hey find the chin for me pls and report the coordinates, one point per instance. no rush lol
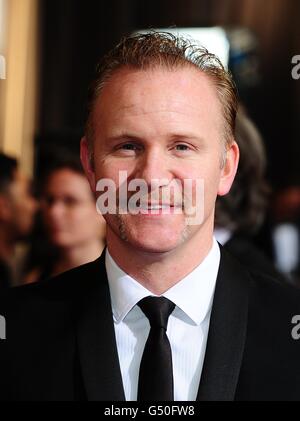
(154, 244)
(149, 237)
(60, 242)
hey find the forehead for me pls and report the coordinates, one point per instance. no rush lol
(66, 180)
(69, 176)
(183, 90)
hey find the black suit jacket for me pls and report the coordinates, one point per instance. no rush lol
(5, 275)
(249, 255)
(60, 342)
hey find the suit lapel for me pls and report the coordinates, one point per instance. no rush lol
(227, 332)
(98, 354)
(97, 347)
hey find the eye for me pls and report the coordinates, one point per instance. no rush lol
(182, 147)
(47, 201)
(129, 147)
(70, 201)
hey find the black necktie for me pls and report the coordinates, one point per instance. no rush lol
(156, 371)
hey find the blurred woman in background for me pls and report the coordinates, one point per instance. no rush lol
(72, 232)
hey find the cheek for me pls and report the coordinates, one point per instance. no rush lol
(105, 173)
(111, 168)
(49, 217)
(21, 211)
(85, 215)
(206, 173)
(208, 179)
(211, 186)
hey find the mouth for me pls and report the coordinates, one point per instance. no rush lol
(150, 207)
(158, 209)
(156, 206)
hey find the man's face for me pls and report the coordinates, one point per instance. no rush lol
(166, 125)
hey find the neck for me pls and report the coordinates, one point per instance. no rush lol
(158, 272)
(76, 256)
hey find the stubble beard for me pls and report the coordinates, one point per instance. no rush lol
(184, 235)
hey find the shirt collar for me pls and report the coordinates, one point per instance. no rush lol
(223, 235)
(193, 294)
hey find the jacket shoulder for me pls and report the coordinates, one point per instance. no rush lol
(65, 287)
(274, 292)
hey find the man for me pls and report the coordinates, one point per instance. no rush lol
(164, 313)
(17, 208)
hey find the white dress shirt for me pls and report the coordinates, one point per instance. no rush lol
(222, 235)
(187, 327)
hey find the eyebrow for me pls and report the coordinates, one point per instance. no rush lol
(123, 137)
(172, 137)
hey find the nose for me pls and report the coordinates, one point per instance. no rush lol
(153, 165)
(55, 210)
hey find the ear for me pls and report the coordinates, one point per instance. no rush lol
(87, 164)
(229, 169)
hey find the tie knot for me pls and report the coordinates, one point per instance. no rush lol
(157, 310)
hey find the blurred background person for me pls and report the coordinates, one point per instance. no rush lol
(17, 209)
(286, 232)
(241, 213)
(69, 230)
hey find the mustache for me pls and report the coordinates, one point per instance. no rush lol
(167, 200)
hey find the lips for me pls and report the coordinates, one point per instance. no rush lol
(159, 206)
(156, 206)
